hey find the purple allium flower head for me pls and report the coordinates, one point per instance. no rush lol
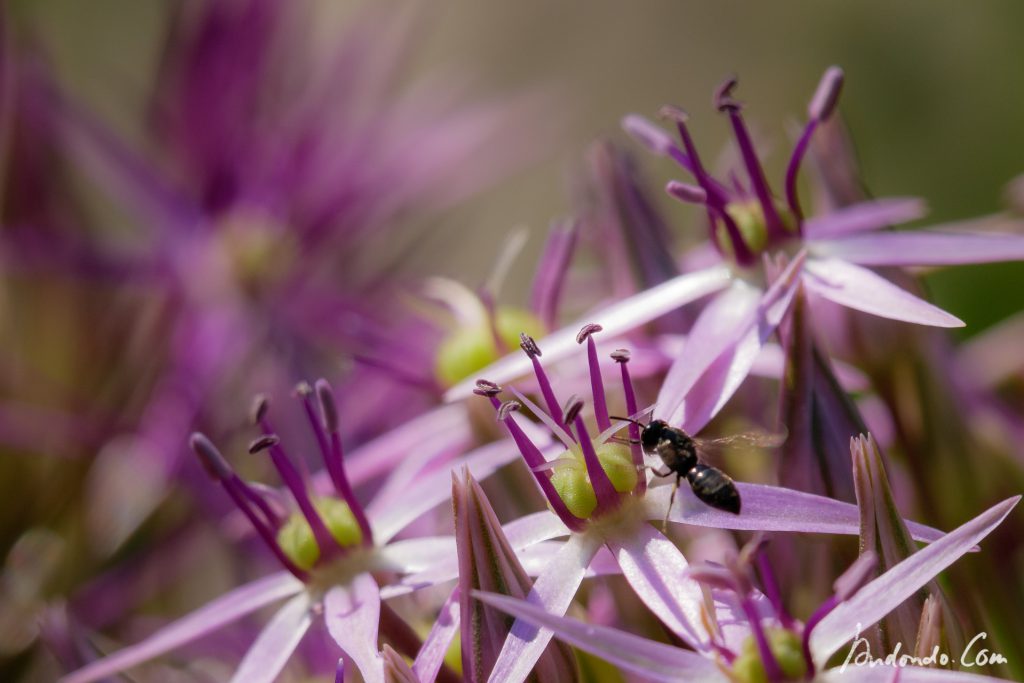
(597, 491)
(822, 255)
(754, 642)
(339, 557)
(264, 232)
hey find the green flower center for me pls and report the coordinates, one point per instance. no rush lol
(749, 218)
(784, 644)
(471, 348)
(572, 483)
(298, 542)
(259, 249)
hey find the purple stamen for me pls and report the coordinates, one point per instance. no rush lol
(771, 665)
(717, 196)
(655, 139)
(856, 575)
(535, 459)
(271, 516)
(771, 590)
(293, 480)
(607, 497)
(335, 459)
(596, 381)
(793, 170)
(649, 135)
(716, 193)
(258, 411)
(549, 280)
(820, 109)
(740, 251)
(243, 498)
(725, 102)
(305, 394)
(805, 641)
(213, 462)
(826, 95)
(621, 356)
(487, 299)
(848, 583)
(685, 192)
(527, 343)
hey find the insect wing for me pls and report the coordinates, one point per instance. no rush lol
(754, 439)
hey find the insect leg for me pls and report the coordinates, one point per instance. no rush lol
(671, 501)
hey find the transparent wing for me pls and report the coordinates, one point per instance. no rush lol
(752, 439)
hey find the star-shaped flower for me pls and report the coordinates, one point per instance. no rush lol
(340, 558)
(756, 643)
(598, 493)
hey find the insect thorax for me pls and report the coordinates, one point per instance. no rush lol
(677, 451)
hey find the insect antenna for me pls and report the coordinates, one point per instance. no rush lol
(638, 423)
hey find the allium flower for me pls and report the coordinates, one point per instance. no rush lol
(754, 638)
(339, 557)
(747, 224)
(262, 233)
(598, 493)
(482, 328)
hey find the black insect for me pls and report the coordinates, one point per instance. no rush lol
(680, 453)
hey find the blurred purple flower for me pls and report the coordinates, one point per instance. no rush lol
(266, 227)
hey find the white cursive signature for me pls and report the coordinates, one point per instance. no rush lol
(860, 655)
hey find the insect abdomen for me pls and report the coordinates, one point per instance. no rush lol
(714, 487)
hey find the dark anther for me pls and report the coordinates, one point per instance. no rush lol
(260, 404)
(507, 407)
(572, 408)
(586, 331)
(723, 95)
(486, 388)
(620, 355)
(529, 345)
(263, 442)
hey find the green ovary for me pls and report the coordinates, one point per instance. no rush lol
(472, 348)
(260, 250)
(784, 644)
(750, 221)
(296, 537)
(573, 485)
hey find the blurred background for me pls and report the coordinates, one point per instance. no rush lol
(933, 96)
(933, 99)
